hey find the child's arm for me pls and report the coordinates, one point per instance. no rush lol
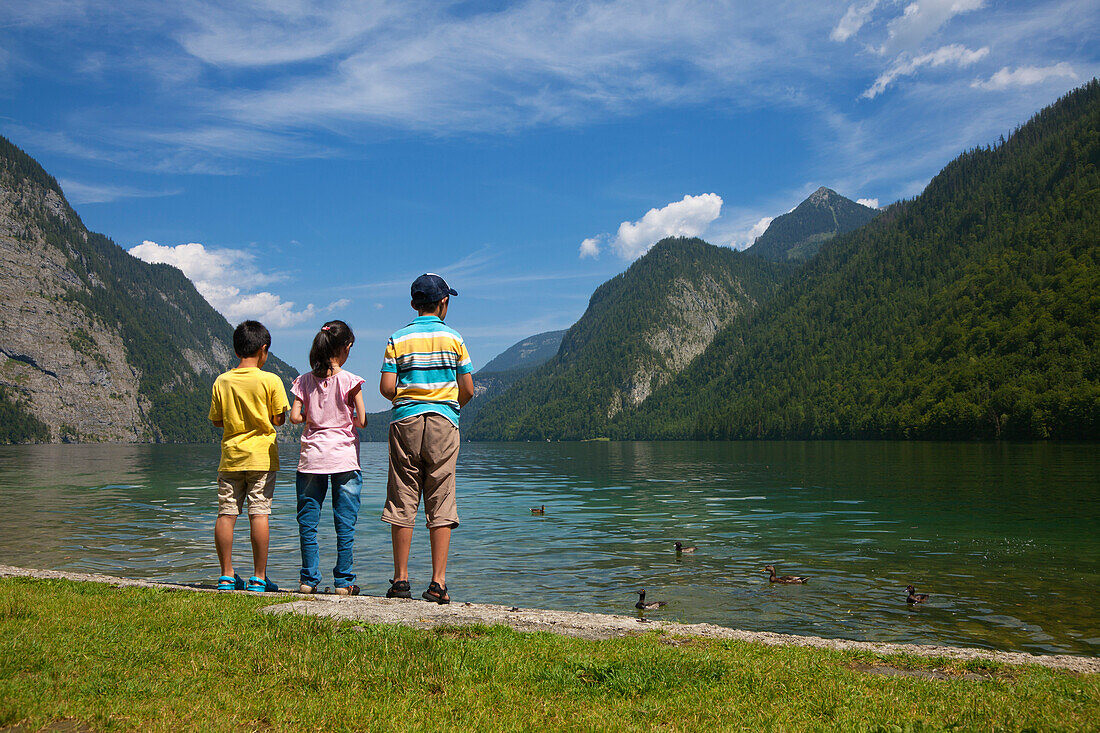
(277, 402)
(215, 414)
(465, 389)
(388, 385)
(360, 419)
(296, 416)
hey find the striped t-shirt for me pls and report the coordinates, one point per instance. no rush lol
(427, 356)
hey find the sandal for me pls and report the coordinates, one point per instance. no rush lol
(347, 590)
(235, 582)
(399, 589)
(261, 585)
(436, 593)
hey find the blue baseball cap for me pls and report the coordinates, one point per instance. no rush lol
(430, 288)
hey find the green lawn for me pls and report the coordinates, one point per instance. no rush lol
(109, 658)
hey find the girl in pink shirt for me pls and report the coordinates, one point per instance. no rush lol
(329, 401)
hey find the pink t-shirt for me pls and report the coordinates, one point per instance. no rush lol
(330, 443)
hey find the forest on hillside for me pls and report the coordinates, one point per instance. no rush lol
(606, 353)
(972, 311)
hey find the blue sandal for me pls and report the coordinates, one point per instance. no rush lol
(226, 582)
(260, 585)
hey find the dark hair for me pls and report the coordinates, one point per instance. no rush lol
(334, 337)
(249, 337)
(430, 306)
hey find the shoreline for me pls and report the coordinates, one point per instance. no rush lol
(423, 615)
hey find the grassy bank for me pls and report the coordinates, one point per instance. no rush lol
(139, 658)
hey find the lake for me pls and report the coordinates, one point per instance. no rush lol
(1005, 537)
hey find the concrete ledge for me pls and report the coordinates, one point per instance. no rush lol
(421, 614)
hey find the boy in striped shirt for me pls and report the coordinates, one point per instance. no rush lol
(426, 373)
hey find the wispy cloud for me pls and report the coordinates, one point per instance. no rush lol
(921, 19)
(101, 193)
(857, 16)
(1026, 76)
(906, 66)
(213, 87)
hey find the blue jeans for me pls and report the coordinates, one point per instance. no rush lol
(346, 488)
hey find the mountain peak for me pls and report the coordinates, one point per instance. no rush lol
(799, 234)
(822, 196)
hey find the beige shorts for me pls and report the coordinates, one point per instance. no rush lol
(234, 486)
(423, 453)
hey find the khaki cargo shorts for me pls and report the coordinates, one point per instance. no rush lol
(423, 453)
(234, 486)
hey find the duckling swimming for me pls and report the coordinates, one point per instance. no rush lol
(915, 597)
(539, 509)
(791, 579)
(681, 550)
(641, 605)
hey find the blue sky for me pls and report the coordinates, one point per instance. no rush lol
(305, 160)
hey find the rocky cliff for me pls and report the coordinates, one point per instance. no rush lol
(96, 345)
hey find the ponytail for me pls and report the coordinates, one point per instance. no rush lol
(333, 338)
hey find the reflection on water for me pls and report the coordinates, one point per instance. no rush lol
(1006, 538)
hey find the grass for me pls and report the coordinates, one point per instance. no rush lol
(121, 659)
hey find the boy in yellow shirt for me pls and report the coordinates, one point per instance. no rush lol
(247, 404)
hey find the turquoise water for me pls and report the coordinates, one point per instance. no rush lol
(1006, 537)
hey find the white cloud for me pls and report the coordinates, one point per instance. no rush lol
(1026, 76)
(688, 217)
(96, 193)
(225, 278)
(742, 236)
(590, 247)
(853, 20)
(906, 66)
(872, 203)
(920, 20)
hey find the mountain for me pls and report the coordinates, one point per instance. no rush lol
(798, 235)
(495, 377)
(640, 329)
(971, 311)
(96, 345)
(527, 354)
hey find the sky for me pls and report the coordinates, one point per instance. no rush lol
(302, 161)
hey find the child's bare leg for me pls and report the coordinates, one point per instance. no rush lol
(223, 541)
(402, 540)
(259, 526)
(441, 544)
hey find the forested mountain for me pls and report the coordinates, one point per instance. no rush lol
(972, 311)
(96, 345)
(797, 235)
(495, 377)
(526, 354)
(640, 329)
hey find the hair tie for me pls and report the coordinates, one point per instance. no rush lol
(324, 328)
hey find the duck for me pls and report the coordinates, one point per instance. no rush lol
(792, 579)
(641, 605)
(539, 509)
(915, 597)
(681, 550)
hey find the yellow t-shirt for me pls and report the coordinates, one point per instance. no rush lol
(245, 400)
